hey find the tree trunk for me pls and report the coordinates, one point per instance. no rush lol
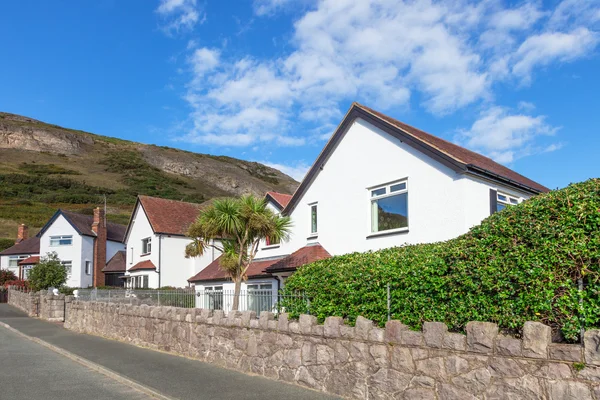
(236, 294)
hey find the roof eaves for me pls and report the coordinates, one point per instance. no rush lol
(475, 170)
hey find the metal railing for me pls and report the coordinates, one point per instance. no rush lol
(257, 300)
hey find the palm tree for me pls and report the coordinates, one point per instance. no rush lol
(235, 227)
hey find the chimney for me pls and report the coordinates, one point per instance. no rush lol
(99, 228)
(22, 233)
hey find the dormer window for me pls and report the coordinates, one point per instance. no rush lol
(146, 246)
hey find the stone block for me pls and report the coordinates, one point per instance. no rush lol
(294, 327)
(218, 317)
(412, 338)
(434, 333)
(454, 341)
(568, 390)
(393, 331)
(536, 338)
(377, 335)
(591, 344)
(565, 352)
(508, 346)
(264, 319)
(272, 325)
(283, 322)
(306, 323)
(254, 323)
(309, 353)
(246, 317)
(331, 327)
(317, 330)
(362, 327)
(481, 336)
(347, 332)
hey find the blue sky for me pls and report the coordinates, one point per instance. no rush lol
(269, 80)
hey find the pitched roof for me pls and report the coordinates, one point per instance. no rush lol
(83, 225)
(143, 265)
(279, 198)
(300, 257)
(116, 263)
(169, 216)
(27, 246)
(455, 157)
(29, 260)
(213, 271)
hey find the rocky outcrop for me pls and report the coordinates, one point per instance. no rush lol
(364, 361)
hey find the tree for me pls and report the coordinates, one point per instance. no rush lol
(49, 272)
(235, 227)
(6, 275)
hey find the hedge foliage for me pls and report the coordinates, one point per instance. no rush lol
(520, 264)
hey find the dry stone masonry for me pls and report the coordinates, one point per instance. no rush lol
(364, 361)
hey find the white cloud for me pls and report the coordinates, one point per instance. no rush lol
(526, 106)
(541, 50)
(296, 171)
(179, 15)
(444, 56)
(506, 136)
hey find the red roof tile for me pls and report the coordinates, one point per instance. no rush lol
(300, 257)
(213, 271)
(116, 263)
(30, 260)
(459, 153)
(170, 217)
(27, 246)
(143, 265)
(280, 198)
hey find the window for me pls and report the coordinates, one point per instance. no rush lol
(145, 281)
(146, 245)
(68, 265)
(260, 297)
(389, 207)
(65, 240)
(26, 270)
(313, 220)
(131, 255)
(88, 267)
(13, 261)
(504, 201)
(271, 242)
(213, 297)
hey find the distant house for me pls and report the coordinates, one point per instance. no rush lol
(115, 268)
(156, 241)
(24, 248)
(380, 183)
(83, 243)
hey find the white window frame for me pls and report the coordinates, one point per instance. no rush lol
(506, 200)
(388, 193)
(69, 265)
(26, 270)
(311, 206)
(146, 246)
(16, 260)
(55, 241)
(88, 271)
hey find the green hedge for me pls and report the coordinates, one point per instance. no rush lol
(520, 264)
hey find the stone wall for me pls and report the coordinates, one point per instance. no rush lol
(51, 307)
(25, 301)
(363, 362)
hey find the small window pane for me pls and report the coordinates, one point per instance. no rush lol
(389, 213)
(501, 206)
(397, 187)
(502, 197)
(378, 192)
(514, 201)
(313, 219)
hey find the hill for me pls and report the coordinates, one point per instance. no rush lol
(536, 261)
(44, 167)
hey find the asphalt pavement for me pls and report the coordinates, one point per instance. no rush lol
(173, 376)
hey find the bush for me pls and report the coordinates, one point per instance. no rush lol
(7, 275)
(520, 264)
(19, 283)
(49, 272)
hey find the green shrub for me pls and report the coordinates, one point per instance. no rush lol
(48, 273)
(7, 275)
(520, 264)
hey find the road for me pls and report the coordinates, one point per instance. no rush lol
(173, 376)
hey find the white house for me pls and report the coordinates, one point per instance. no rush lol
(156, 241)
(25, 248)
(83, 243)
(380, 183)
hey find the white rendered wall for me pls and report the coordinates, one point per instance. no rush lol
(4, 262)
(73, 253)
(442, 204)
(141, 229)
(229, 289)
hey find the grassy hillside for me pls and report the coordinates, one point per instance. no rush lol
(521, 264)
(44, 167)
